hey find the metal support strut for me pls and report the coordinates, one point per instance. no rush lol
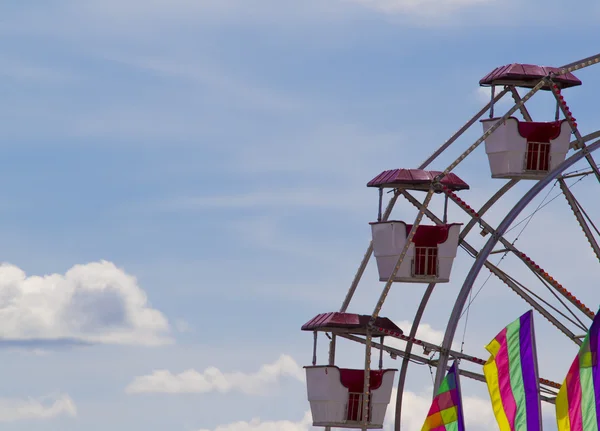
(549, 385)
(408, 349)
(579, 216)
(560, 100)
(366, 257)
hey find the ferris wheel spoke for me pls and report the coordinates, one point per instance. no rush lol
(409, 239)
(590, 221)
(500, 274)
(526, 294)
(534, 267)
(409, 345)
(562, 106)
(462, 130)
(577, 211)
(501, 192)
(549, 397)
(545, 385)
(366, 257)
(576, 65)
(552, 291)
(491, 130)
(574, 320)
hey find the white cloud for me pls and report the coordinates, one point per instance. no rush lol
(257, 425)
(96, 303)
(214, 380)
(41, 408)
(478, 411)
(478, 415)
(425, 332)
(483, 96)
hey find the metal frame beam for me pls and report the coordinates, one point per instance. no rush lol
(434, 363)
(501, 192)
(523, 257)
(575, 207)
(462, 130)
(406, 360)
(366, 257)
(567, 113)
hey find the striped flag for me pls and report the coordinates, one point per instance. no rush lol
(446, 413)
(511, 374)
(578, 400)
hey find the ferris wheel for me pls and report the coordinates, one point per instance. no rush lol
(424, 250)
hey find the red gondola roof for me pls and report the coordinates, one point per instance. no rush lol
(527, 75)
(416, 179)
(354, 323)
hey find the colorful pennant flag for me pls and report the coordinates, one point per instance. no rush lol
(578, 400)
(511, 373)
(446, 413)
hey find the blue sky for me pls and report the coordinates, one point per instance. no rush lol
(184, 187)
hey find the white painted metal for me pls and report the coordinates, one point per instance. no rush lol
(389, 239)
(329, 404)
(507, 150)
